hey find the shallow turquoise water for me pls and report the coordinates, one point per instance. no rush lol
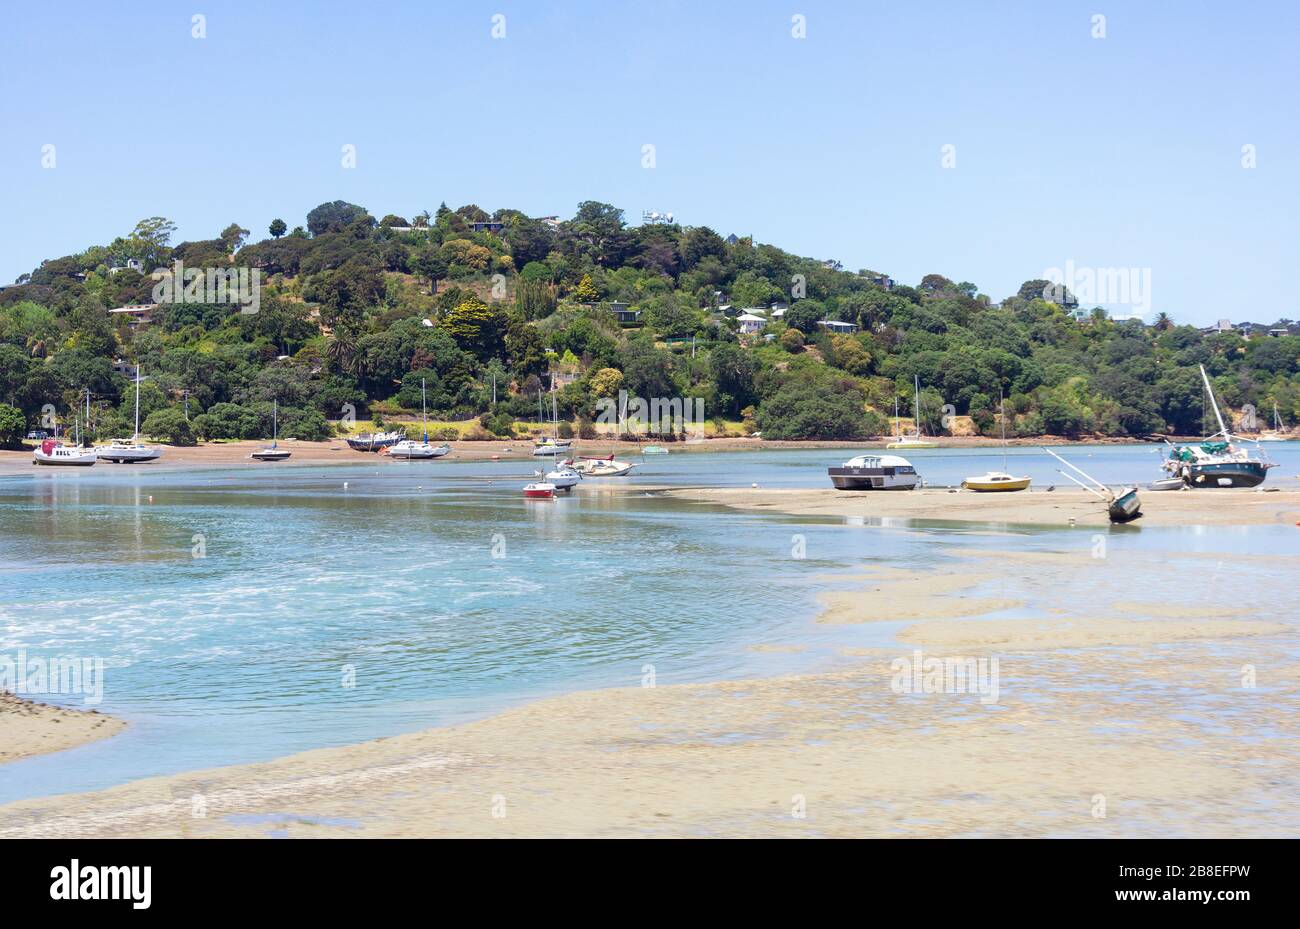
(240, 655)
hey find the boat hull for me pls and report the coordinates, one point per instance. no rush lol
(1226, 474)
(871, 479)
(912, 444)
(418, 452)
(994, 487)
(1125, 508)
(270, 456)
(79, 461)
(129, 456)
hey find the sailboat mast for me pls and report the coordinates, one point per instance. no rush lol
(916, 380)
(136, 435)
(1214, 403)
(424, 416)
(1002, 417)
(275, 420)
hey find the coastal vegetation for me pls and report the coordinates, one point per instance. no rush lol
(487, 310)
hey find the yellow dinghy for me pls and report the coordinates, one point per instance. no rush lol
(995, 481)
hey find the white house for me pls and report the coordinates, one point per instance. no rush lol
(750, 322)
(835, 325)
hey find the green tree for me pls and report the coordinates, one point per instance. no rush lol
(13, 426)
(809, 411)
(169, 425)
(278, 228)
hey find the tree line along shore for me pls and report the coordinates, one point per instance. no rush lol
(477, 316)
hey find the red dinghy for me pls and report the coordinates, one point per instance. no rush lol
(539, 490)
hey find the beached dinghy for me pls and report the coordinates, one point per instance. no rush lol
(1122, 506)
(539, 490)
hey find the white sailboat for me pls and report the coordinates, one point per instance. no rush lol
(130, 451)
(274, 452)
(55, 453)
(1277, 433)
(916, 439)
(422, 450)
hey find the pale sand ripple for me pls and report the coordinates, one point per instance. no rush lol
(1020, 634)
(738, 758)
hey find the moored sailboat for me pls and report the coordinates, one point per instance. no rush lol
(132, 451)
(411, 450)
(274, 452)
(916, 439)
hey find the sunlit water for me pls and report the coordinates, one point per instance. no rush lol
(448, 597)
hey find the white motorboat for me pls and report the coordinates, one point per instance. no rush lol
(273, 452)
(563, 477)
(51, 452)
(874, 472)
(130, 451)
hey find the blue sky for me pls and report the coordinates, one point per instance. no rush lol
(1118, 152)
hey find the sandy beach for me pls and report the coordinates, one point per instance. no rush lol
(30, 728)
(1219, 507)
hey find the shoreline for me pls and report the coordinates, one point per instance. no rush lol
(336, 451)
(1218, 506)
(735, 757)
(29, 728)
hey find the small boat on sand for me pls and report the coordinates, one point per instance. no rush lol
(539, 490)
(1220, 460)
(998, 481)
(130, 451)
(1122, 506)
(52, 452)
(654, 450)
(374, 441)
(411, 450)
(272, 452)
(874, 472)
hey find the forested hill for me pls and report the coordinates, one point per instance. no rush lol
(354, 310)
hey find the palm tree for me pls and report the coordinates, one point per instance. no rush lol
(342, 348)
(1164, 322)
